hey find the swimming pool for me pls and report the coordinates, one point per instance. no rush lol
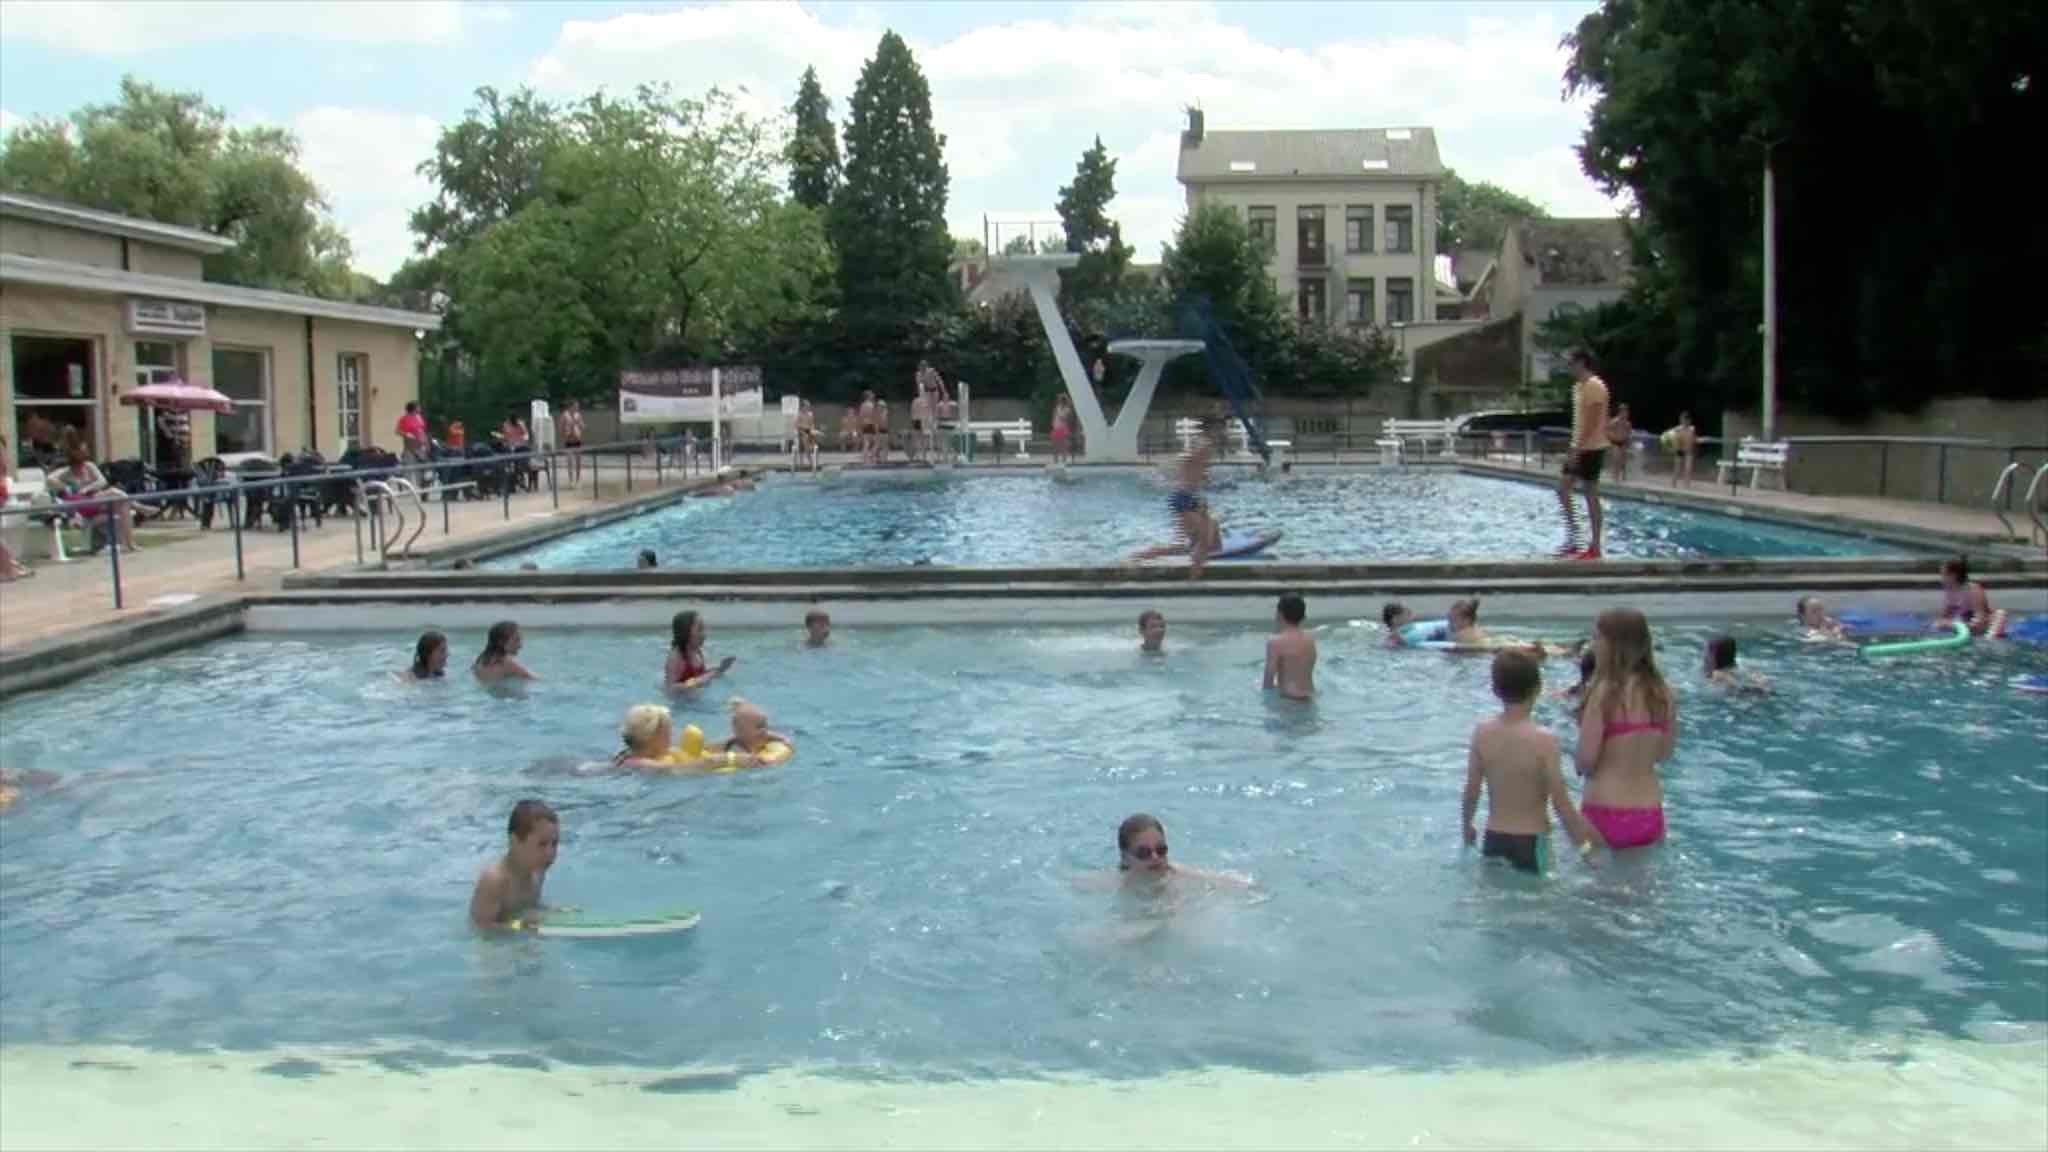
(267, 842)
(1101, 515)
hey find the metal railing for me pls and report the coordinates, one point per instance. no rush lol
(289, 495)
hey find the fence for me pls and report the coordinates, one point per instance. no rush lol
(372, 491)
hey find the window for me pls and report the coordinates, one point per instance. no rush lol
(1358, 303)
(1308, 237)
(1310, 299)
(55, 392)
(242, 375)
(163, 435)
(1400, 300)
(1264, 225)
(1358, 228)
(348, 399)
(1400, 228)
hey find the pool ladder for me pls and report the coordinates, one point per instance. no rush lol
(380, 494)
(2001, 493)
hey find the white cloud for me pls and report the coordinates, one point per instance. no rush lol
(366, 161)
(129, 27)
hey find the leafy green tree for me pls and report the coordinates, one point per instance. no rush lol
(1084, 214)
(888, 220)
(169, 156)
(1891, 289)
(487, 167)
(1475, 217)
(813, 149)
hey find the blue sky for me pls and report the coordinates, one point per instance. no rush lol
(1019, 89)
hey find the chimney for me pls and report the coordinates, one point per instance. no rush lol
(1192, 136)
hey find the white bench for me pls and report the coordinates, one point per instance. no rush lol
(1395, 436)
(1759, 457)
(1016, 432)
(29, 489)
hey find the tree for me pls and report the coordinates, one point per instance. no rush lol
(487, 167)
(1475, 217)
(171, 157)
(1084, 214)
(888, 220)
(1884, 300)
(813, 149)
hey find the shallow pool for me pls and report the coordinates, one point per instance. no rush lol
(1101, 515)
(268, 841)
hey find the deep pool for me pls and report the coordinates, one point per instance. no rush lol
(1101, 515)
(268, 841)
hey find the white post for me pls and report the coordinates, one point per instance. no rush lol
(717, 422)
(1770, 412)
(966, 429)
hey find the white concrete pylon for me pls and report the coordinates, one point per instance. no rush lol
(1040, 275)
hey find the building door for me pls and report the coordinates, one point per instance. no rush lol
(348, 399)
(56, 392)
(162, 435)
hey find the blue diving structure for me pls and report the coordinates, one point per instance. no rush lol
(1232, 375)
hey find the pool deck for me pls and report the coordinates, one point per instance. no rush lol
(180, 564)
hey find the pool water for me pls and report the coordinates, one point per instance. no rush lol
(1101, 515)
(269, 841)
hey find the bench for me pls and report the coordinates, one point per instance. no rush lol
(1759, 457)
(1395, 435)
(1016, 432)
(1235, 442)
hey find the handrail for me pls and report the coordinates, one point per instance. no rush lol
(2035, 498)
(2003, 488)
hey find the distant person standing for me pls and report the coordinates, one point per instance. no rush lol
(1062, 431)
(868, 437)
(569, 430)
(1587, 455)
(412, 433)
(806, 436)
(1682, 441)
(920, 423)
(1620, 430)
(457, 437)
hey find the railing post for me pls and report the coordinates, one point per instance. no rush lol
(554, 490)
(291, 507)
(594, 459)
(235, 519)
(629, 471)
(114, 549)
(1941, 476)
(1884, 468)
(358, 522)
(657, 466)
(444, 515)
(505, 491)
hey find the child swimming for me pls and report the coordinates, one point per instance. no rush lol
(1291, 653)
(1396, 617)
(1721, 671)
(648, 733)
(1813, 616)
(686, 667)
(1141, 855)
(1628, 724)
(499, 661)
(1515, 761)
(508, 891)
(1965, 600)
(1151, 631)
(817, 628)
(429, 658)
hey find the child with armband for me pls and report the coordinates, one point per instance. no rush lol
(649, 731)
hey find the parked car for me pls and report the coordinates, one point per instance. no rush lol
(1511, 423)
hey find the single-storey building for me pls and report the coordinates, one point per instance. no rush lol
(94, 303)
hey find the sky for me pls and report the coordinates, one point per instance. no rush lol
(1019, 90)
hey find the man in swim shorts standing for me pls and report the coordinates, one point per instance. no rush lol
(510, 886)
(1190, 514)
(1587, 456)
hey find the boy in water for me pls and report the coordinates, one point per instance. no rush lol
(1291, 653)
(1516, 760)
(817, 628)
(1151, 631)
(1192, 517)
(1396, 616)
(509, 887)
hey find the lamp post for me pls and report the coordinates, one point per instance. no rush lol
(1770, 325)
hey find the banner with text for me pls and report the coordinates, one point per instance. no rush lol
(683, 395)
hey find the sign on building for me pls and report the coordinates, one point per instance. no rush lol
(166, 317)
(685, 395)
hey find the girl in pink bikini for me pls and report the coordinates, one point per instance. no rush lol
(1628, 724)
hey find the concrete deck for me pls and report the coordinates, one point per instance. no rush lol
(179, 564)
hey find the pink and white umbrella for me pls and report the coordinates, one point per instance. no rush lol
(178, 396)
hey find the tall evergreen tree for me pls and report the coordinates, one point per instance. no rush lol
(1084, 213)
(813, 152)
(888, 219)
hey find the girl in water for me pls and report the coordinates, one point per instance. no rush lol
(1141, 855)
(1721, 671)
(499, 661)
(1963, 599)
(1628, 724)
(429, 658)
(686, 667)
